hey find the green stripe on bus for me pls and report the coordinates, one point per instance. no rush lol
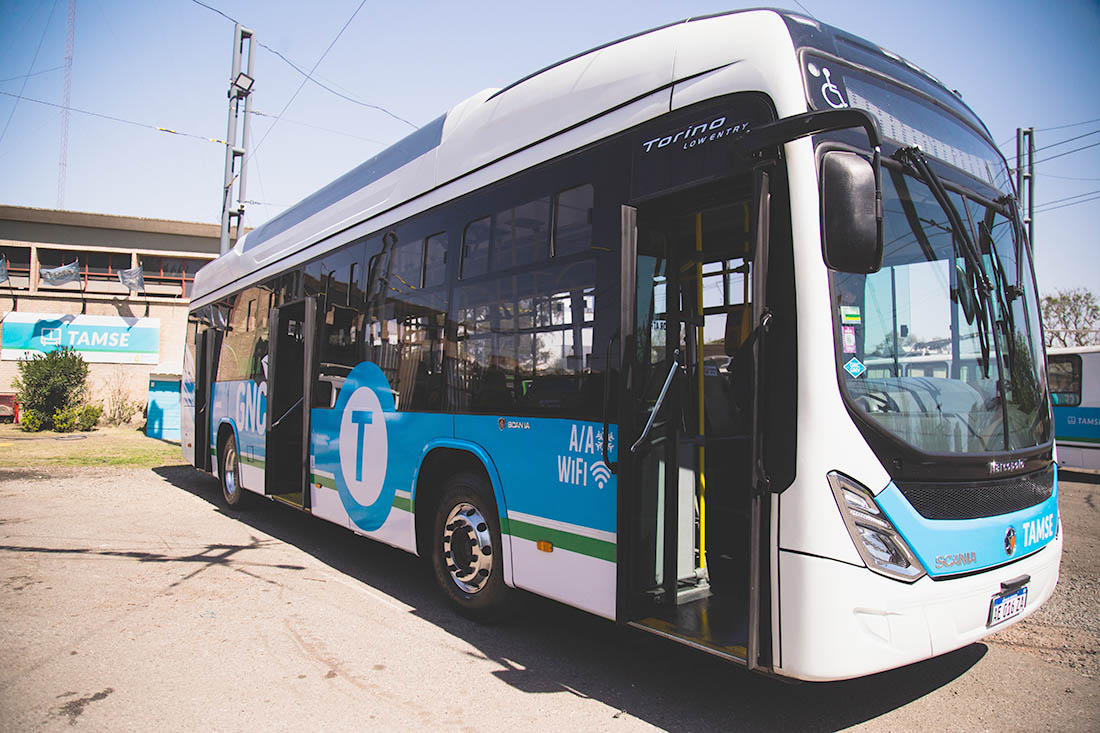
(1076, 439)
(599, 549)
(325, 481)
(254, 462)
(399, 502)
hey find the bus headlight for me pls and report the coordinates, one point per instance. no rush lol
(879, 544)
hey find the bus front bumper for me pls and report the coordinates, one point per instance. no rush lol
(840, 621)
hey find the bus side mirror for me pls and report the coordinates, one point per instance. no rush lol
(851, 214)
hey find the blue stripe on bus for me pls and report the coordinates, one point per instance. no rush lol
(1080, 424)
(986, 538)
(550, 467)
(546, 467)
(244, 403)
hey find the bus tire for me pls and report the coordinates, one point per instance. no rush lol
(229, 473)
(466, 555)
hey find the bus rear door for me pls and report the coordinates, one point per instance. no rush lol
(290, 370)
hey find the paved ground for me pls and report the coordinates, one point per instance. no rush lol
(130, 601)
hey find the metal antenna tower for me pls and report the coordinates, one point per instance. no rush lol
(240, 87)
(63, 154)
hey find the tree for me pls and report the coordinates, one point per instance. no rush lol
(1071, 318)
(50, 384)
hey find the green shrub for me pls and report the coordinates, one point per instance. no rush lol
(52, 383)
(31, 421)
(88, 417)
(65, 421)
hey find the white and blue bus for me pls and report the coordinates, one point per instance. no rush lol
(606, 335)
(1074, 375)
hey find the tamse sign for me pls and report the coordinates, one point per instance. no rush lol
(100, 339)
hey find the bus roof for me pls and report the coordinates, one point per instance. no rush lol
(494, 124)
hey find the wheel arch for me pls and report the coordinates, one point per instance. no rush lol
(445, 458)
(226, 426)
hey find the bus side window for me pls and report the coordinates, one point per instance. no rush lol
(521, 235)
(573, 220)
(1064, 374)
(336, 281)
(475, 248)
(405, 315)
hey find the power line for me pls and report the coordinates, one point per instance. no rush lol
(28, 76)
(1059, 155)
(24, 76)
(1060, 142)
(309, 75)
(115, 119)
(806, 9)
(1066, 178)
(300, 86)
(1067, 140)
(208, 7)
(323, 129)
(1048, 129)
(1067, 198)
(1042, 210)
(333, 91)
(1062, 127)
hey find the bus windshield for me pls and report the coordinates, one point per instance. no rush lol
(927, 353)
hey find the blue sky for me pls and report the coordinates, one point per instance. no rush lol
(165, 63)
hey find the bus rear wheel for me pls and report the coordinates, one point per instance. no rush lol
(230, 474)
(466, 550)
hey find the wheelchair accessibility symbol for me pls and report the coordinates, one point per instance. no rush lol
(830, 92)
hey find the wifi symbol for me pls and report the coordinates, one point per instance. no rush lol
(601, 473)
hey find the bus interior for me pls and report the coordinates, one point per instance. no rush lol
(691, 557)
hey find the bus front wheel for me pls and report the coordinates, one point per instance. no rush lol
(466, 550)
(229, 473)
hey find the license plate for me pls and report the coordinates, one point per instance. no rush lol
(1002, 608)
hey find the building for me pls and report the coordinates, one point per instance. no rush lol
(125, 336)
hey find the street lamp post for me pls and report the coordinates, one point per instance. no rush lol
(240, 87)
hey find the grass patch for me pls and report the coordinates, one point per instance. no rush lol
(121, 446)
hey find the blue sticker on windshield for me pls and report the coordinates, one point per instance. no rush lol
(855, 367)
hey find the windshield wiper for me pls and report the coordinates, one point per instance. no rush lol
(914, 158)
(1009, 202)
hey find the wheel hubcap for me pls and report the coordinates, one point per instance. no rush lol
(230, 471)
(467, 548)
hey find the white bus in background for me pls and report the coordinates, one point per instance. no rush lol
(633, 333)
(1074, 377)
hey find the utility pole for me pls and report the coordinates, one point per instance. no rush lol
(1025, 148)
(240, 87)
(63, 153)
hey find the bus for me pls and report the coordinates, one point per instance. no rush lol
(603, 336)
(1074, 376)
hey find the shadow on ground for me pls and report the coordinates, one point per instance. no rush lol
(1079, 477)
(551, 648)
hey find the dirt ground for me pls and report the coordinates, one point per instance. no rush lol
(1066, 630)
(130, 599)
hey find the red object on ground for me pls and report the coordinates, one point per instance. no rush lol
(9, 406)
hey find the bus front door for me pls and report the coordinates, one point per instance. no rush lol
(289, 385)
(686, 511)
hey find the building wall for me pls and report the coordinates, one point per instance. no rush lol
(105, 378)
(82, 235)
(42, 236)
